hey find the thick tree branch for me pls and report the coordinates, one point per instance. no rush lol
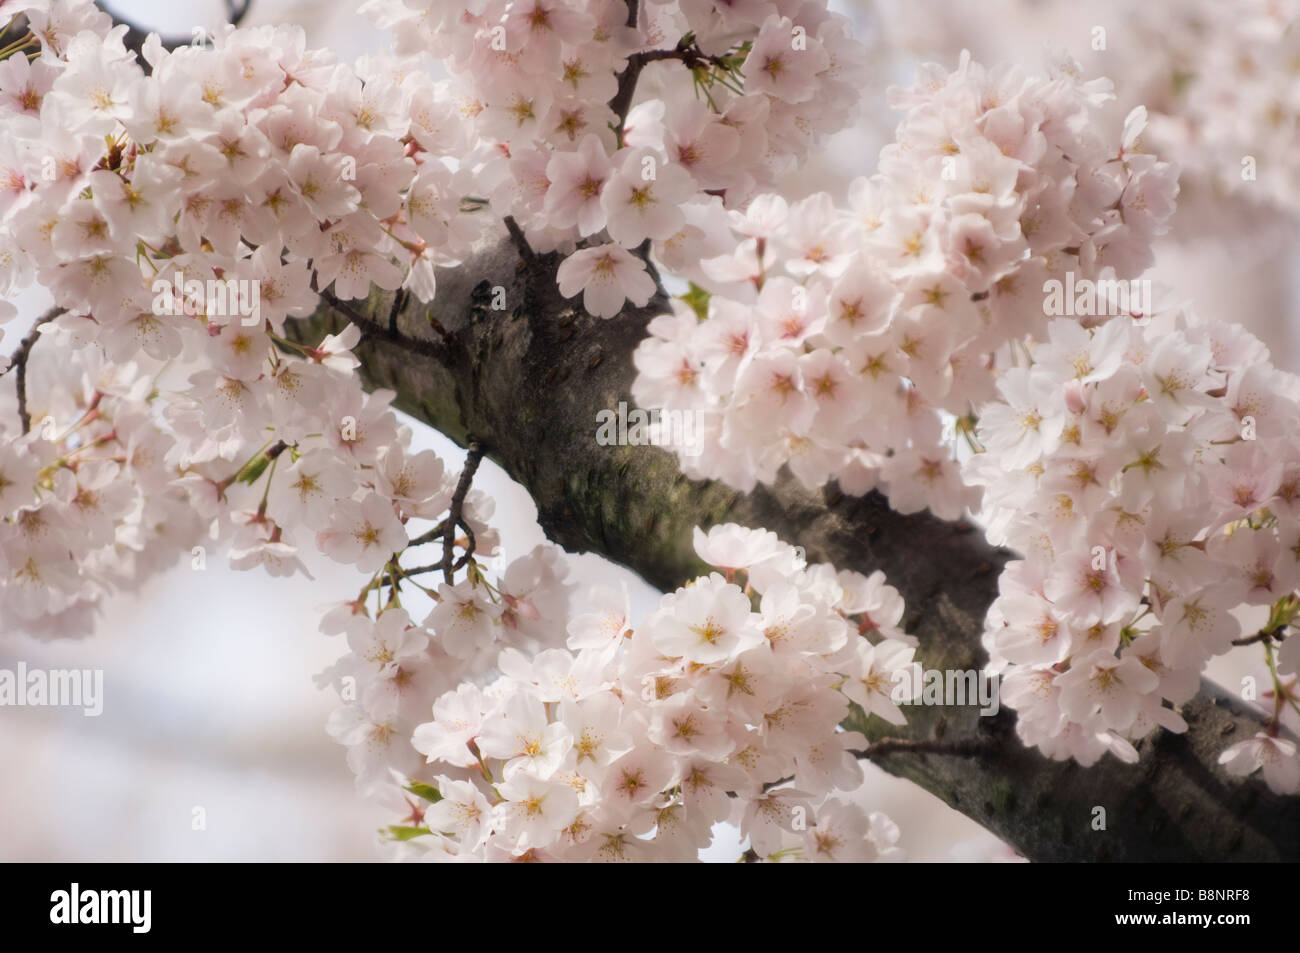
(529, 381)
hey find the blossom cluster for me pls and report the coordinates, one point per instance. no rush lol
(249, 159)
(1147, 472)
(1225, 94)
(92, 506)
(253, 166)
(742, 91)
(561, 730)
(1144, 466)
(229, 165)
(274, 173)
(834, 340)
(1219, 81)
(164, 421)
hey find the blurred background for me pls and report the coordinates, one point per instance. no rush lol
(209, 697)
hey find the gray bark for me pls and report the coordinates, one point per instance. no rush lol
(527, 384)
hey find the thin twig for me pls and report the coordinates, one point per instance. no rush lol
(237, 10)
(454, 518)
(399, 302)
(1263, 635)
(371, 328)
(521, 241)
(421, 570)
(431, 536)
(14, 31)
(471, 544)
(18, 360)
(438, 328)
(460, 563)
(885, 746)
(690, 55)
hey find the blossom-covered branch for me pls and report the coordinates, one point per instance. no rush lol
(631, 504)
(189, 208)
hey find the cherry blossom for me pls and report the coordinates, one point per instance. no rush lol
(1140, 462)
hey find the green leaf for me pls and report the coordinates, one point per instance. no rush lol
(698, 299)
(404, 832)
(253, 469)
(426, 791)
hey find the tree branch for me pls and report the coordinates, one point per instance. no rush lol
(18, 363)
(1263, 635)
(521, 242)
(454, 518)
(529, 382)
(957, 749)
(370, 325)
(687, 53)
(236, 10)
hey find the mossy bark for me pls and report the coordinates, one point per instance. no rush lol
(527, 383)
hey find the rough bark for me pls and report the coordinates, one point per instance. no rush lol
(527, 384)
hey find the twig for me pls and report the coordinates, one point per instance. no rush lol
(371, 328)
(14, 31)
(438, 328)
(885, 746)
(471, 544)
(460, 563)
(690, 55)
(431, 536)
(236, 10)
(472, 460)
(421, 570)
(399, 302)
(1261, 636)
(18, 360)
(521, 241)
